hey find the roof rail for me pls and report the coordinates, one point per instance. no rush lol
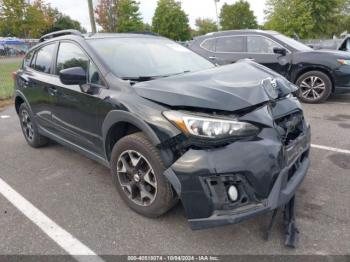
(60, 33)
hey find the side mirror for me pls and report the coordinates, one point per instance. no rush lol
(280, 50)
(73, 76)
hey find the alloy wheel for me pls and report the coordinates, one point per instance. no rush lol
(27, 125)
(312, 88)
(136, 177)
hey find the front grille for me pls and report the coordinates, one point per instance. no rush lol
(290, 127)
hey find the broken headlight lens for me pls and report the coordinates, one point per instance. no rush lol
(208, 127)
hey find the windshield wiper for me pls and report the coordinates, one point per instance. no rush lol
(141, 78)
(149, 78)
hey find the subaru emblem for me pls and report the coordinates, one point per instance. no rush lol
(270, 87)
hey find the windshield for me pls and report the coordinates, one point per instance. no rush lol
(293, 43)
(139, 58)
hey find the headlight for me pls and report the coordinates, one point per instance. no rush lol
(344, 62)
(207, 127)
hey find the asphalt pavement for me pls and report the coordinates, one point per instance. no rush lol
(78, 195)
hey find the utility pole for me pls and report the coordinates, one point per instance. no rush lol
(217, 14)
(92, 17)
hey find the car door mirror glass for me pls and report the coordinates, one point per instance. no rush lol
(73, 76)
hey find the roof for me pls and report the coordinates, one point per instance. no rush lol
(236, 32)
(246, 31)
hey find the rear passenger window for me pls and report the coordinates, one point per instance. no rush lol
(209, 44)
(70, 55)
(230, 44)
(43, 59)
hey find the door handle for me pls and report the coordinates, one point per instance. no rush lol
(52, 91)
(212, 57)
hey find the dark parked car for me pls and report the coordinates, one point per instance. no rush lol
(230, 142)
(318, 73)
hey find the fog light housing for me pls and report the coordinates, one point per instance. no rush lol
(232, 193)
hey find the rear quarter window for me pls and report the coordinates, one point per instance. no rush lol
(27, 59)
(209, 44)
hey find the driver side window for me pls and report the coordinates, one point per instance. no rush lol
(70, 55)
(261, 45)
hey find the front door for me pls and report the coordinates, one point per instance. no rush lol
(77, 114)
(260, 48)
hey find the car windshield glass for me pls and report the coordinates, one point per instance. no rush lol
(293, 43)
(147, 58)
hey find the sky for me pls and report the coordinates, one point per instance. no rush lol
(78, 9)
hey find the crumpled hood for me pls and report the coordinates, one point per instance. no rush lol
(227, 88)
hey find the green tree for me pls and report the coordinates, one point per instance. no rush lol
(20, 19)
(147, 27)
(119, 16)
(63, 22)
(12, 17)
(306, 18)
(205, 25)
(237, 16)
(36, 19)
(106, 15)
(128, 16)
(171, 21)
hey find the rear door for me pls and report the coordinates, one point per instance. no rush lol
(36, 79)
(229, 49)
(260, 48)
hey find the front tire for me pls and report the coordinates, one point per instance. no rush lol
(30, 129)
(137, 172)
(314, 87)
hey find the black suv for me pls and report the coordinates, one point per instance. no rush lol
(318, 73)
(230, 142)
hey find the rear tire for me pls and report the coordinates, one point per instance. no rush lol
(30, 128)
(137, 172)
(314, 87)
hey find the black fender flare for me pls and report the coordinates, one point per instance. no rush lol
(18, 93)
(119, 116)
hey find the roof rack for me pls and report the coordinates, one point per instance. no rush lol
(60, 33)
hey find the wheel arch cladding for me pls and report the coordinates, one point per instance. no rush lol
(118, 124)
(314, 68)
(18, 101)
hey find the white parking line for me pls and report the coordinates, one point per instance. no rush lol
(4, 116)
(63, 238)
(334, 149)
(338, 103)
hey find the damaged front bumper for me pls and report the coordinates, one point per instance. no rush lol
(265, 172)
